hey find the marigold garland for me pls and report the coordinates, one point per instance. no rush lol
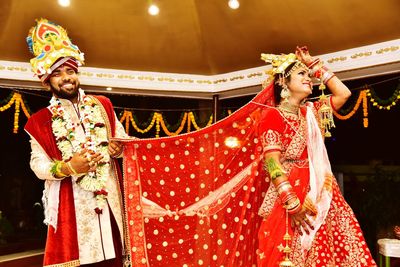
(16, 114)
(193, 121)
(385, 104)
(160, 123)
(361, 97)
(179, 130)
(365, 111)
(210, 121)
(188, 125)
(189, 117)
(134, 124)
(19, 103)
(25, 108)
(9, 104)
(157, 124)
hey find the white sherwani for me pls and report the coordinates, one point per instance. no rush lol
(94, 231)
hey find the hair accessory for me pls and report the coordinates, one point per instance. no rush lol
(280, 63)
(49, 42)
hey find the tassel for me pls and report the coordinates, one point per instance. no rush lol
(325, 113)
(286, 261)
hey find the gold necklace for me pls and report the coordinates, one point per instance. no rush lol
(290, 108)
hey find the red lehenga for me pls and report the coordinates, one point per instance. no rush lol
(337, 239)
(193, 199)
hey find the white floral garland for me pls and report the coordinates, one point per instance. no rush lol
(95, 140)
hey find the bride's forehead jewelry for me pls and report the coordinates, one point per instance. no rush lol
(280, 63)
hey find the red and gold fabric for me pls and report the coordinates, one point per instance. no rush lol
(200, 193)
(338, 240)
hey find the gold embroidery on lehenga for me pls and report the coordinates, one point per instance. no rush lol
(271, 140)
(291, 153)
(339, 238)
(298, 142)
(339, 241)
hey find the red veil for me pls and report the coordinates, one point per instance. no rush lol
(193, 199)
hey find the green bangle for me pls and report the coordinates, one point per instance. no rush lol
(56, 169)
(273, 168)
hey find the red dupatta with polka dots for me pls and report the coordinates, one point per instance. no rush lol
(193, 199)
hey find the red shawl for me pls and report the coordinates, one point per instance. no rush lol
(203, 191)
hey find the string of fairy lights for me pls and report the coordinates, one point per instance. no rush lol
(153, 8)
(189, 121)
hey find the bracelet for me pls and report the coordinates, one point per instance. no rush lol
(72, 170)
(273, 168)
(313, 63)
(295, 210)
(293, 205)
(285, 191)
(327, 76)
(287, 197)
(56, 169)
(320, 71)
(284, 187)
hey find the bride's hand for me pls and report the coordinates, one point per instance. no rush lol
(303, 55)
(300, 220)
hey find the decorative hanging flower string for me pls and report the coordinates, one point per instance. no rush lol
(16, 113)
(9, 103)
(195, 125)
(385, 104)
(19, 103)
(157, 118)
(361, 97)
(159, 121)
(365, 110)
(179, 130)
(129, 118)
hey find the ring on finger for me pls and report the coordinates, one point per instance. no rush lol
(297, 223)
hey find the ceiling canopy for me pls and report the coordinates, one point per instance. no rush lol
(199, 36)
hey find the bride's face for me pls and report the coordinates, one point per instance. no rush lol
(300, 84)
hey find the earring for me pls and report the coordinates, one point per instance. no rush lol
(285, 93)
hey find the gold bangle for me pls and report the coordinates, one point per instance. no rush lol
(293, 205)
(69, 165)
